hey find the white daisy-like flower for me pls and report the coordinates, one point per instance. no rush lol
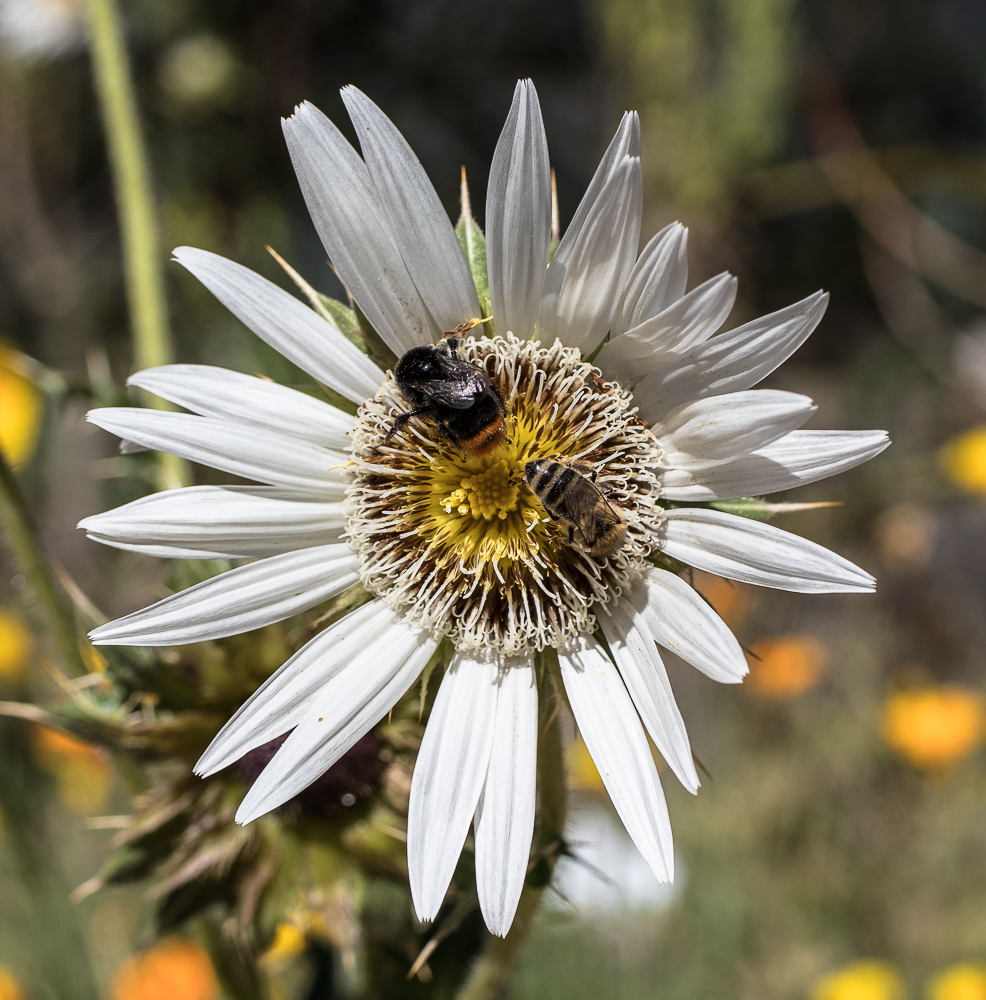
(459, 548)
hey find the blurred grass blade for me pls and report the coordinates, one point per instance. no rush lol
(132, 186)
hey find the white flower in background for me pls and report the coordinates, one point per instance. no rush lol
(461, 548)
(41, 29)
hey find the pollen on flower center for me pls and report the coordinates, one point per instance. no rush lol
(486, 495)
(461, 545)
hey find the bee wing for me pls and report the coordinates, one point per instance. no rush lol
(582, 506)
(448, 394)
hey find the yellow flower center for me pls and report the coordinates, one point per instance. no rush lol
(480, 510)
(486, 495)
(460, 544)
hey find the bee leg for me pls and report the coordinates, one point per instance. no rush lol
(453, 346)
(443, 430)
(571, 535)
(401, 422)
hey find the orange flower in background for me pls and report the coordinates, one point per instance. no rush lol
(787, 665)
(966, 981)
(21, 407)
(866, 980)
(10, 988)
(732, 601)
(176, 969)
(933, 727)
(963, 458)
(81, 770)
(905, 536)
(16, 645)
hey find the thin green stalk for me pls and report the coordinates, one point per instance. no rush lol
(238, 973)
(490, 977)
(132, 183)
(142, 258)
(48, 936)
(22, 537)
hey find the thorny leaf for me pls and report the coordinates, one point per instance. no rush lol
(753, 507)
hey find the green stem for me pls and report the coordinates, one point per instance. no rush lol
(143, 264)
(490, 976)
(238, 974)
(48, 930)
(22, 537)
(132, 183)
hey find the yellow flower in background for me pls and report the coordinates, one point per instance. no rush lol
(966, 981)
(80, 769)
(176, 969)
(582, 772)
(935, 726)
(21, 407)
(16, 645)
(10, 988)
(289, 942)
(963, 458)
(787, 665)
(867, 980)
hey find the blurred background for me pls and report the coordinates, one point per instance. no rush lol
(837, 849)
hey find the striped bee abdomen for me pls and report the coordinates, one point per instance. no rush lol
(572, 498)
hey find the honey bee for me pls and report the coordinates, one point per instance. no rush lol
(569, 494)
(459, 396)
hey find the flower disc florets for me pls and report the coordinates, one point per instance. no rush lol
(461, 546)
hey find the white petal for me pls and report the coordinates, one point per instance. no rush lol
(313, 343)
(689, 321)
(345, 708)
(448, 776)
(602, 258)
(283, 700)
(415, 216)
(633, 647)
(244, 451)
(518, 216)
(793, 460)
(214, 522)
(679, 618)
(625, 143)
(615, 739)
(504, 821)
(731, 362)
(657, 280)
(752, 552)
(239, 600)
(715, 430)
(343, 205)
(219, 392)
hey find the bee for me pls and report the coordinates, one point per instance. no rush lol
(457, 395)
(569, 494)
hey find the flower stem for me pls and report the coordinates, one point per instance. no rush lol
(22, 537)
(235, 967)
(491, 974)
(135, 204)
(132, 184)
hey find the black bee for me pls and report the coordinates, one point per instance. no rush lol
(568, 495)
(457, 395)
